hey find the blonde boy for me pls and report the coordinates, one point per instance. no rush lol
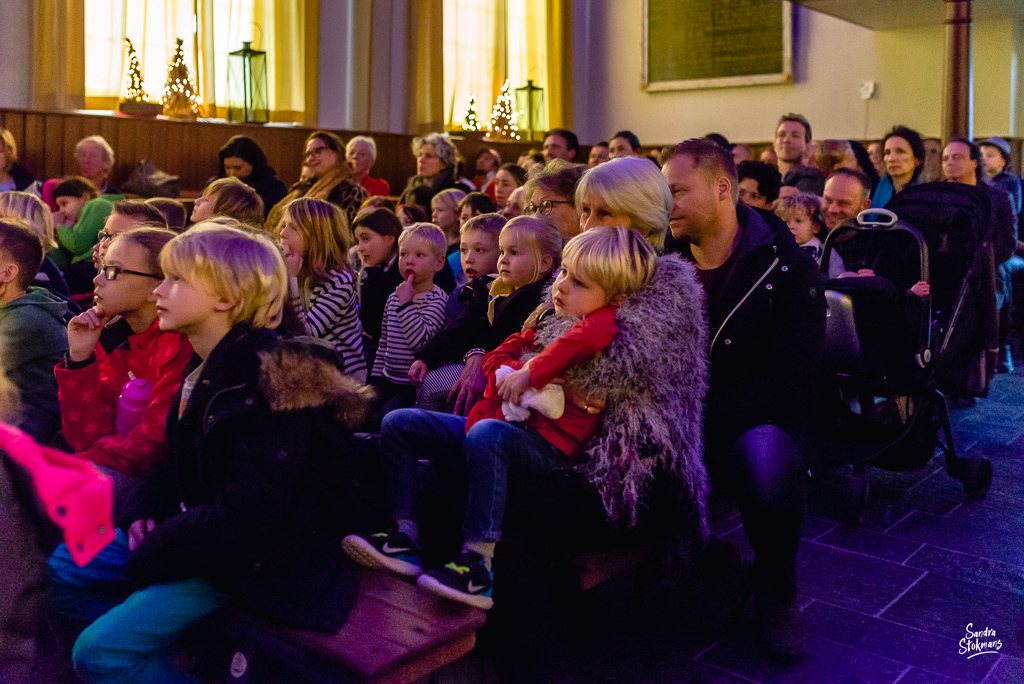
(414, 312)
(236, 514)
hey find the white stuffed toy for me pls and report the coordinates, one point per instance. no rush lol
(549, 401)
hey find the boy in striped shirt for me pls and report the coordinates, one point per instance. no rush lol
(414, 312)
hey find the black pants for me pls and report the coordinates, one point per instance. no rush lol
(765, 469)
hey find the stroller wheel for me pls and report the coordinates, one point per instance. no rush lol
(978, 477)
(856, 500)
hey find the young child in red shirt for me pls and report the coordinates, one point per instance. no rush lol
(600, 268)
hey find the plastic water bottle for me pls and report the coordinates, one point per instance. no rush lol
(132, 404)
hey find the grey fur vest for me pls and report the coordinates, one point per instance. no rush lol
(654, 376)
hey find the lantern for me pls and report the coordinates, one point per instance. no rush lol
(247, 85)
(530, 101)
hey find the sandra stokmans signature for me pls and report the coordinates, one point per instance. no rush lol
(979, 642)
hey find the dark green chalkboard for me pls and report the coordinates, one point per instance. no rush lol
(716, 43)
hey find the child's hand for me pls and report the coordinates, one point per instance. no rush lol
(512, 386)
(417, 371)
(292, 261)
(921, 288)
(84, 332)
(406, 291)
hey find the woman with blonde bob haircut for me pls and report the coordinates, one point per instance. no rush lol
(323, 289)
(630, 192)
(242, 267)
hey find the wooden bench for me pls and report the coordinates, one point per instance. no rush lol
(395, 633)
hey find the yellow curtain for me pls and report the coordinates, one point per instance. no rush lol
(288, 33)
(425, 66)
(58, 65)
(559, 94)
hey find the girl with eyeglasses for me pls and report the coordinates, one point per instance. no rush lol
(116, 341)
(330, 178)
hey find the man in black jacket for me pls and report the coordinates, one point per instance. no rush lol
(766, 314)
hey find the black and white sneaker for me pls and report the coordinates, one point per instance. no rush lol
(466, 579)
(391, 550)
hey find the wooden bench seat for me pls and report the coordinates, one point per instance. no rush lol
(395, 633)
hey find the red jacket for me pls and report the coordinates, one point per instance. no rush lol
(89, 396)
(375, 186)
(580, 343)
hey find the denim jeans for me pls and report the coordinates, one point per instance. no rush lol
(129, 638)
(490, 454)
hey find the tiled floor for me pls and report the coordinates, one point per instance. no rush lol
(886, 602)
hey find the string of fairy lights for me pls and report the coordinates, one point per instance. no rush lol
(180, 98)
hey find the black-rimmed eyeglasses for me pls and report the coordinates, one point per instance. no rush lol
(111, 272)
(544, 208)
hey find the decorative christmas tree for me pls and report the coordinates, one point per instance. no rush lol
(133, 90)
(504, 115)
(470, 122)
(181, 97)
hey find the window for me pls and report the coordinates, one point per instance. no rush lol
(210, 29)
(485, 42)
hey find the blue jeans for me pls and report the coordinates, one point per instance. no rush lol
(491, 453)
(129, 638)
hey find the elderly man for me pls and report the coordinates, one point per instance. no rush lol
(361, 155)
(766, 315)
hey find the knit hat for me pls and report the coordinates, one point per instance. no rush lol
(1004, 147)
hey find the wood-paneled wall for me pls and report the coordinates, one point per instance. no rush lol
(46, 146)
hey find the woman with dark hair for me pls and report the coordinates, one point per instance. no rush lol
(903, 154)
(331, 179)
(509, 177)
(243, 159)
(435, 170)
(864, 163)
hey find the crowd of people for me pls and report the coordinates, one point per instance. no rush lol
(582, 353)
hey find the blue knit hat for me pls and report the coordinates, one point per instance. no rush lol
(1004, 147)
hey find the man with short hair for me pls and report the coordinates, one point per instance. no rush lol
(962, 163)
(599, 154)
(792, 135)
(560, 143)
(847, 193)
(625, 144)
(759, 184)
(741, 153)
(766, 313)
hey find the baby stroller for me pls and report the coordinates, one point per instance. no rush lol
(889, 356)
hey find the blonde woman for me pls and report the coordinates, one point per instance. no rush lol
(315, 239)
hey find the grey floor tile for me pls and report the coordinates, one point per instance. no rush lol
(962, 566)
(983, 541)
(826, 661)
(815, 527)
(898, 642)
(945, 607)
(871, 543)
(1007, 670)
(850, 580)
(918, 676)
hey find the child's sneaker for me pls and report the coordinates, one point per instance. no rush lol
(466, 579)
(391, 550)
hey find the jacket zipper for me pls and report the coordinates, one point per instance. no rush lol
(202, 427)
(740, 303)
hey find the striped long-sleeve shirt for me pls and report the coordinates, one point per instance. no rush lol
(333, 315)
(405, 329)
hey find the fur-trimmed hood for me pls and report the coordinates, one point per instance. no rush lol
(303, 374)
(654, 376)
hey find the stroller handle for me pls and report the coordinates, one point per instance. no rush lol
(890, 218)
